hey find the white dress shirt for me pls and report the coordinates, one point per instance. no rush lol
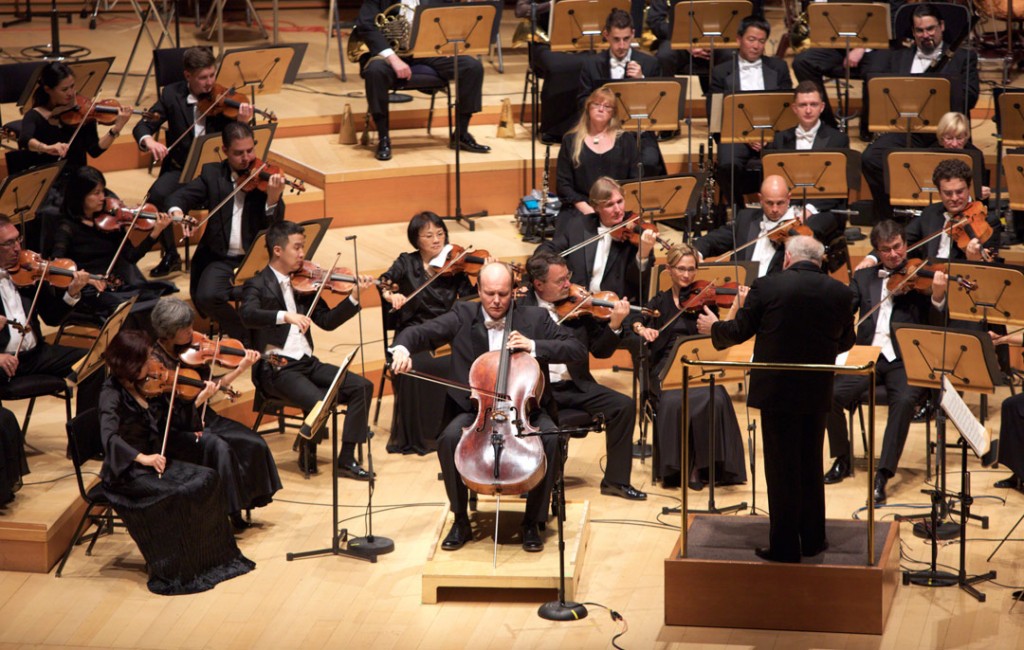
(199, 129)
(751, 75)
(604, 247)
(805, 139)
(617, 67)
(883, 335)
(924, 61)
(944, 241)
(556, 371)
(235, 247)
(295, 346)
(15, 311)
(764, 249)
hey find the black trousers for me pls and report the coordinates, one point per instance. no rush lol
(675, 62)
(796, 493)
(902, 401)
(620, 415)
(380, 78)
(56, 361)
(872, 164)
(165, 185)
(1011, 434)
(212, 295)
(305, 381)
(732, 172)
(458, 495)
(559, 94)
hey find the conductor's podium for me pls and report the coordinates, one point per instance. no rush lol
(722, 583)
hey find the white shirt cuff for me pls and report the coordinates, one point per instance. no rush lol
(354, 297)
(280, 317)
(386, 52)
(941, 305)
(142, 142)
(71, 300)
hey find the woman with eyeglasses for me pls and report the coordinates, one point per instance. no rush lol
(954, 132)
(730, 468)
(597, 146)
(414, 428)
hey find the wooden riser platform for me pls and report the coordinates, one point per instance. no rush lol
(472, 568)
(723, 584)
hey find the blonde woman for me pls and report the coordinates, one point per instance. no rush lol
(954, 132)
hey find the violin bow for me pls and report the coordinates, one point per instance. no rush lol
(679, 313)
(948, 227)
(586, 242)
(170, 410)
(192, 126)
(124, 240)
(323, 283)
(588, 296)
(229, 197)
(213, 362)
(440, 272)
(32, 307)
(79, 128)
(903, 282)
(784, 224)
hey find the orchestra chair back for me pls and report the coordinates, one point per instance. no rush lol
(32, 386)
(85, 444)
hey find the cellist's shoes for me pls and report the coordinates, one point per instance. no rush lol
(623, 490)
(532, 542)
(460, 533)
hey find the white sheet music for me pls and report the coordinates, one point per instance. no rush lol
(842, 357)
(960, 415)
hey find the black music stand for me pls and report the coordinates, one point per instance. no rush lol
(52, 51)
(93, 359)
(910, 105)
(454, 30)
(844, 26)
(89, 78)
(22, 194)
(944, 359)
(260, 69)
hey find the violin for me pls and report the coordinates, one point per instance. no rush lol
(104, 111)
(160, 379)
(704, 292)
(259, 181)
(340, 280)
(228, 352)
(491, 457)
(59, 272)
(632, 232)
(790, 228)
(225, 101)
(976, 226)
(115, 215)
(598, 304)
(915, 275)
(459, 261)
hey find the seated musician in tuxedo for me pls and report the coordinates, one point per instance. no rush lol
(277, 316)
(472, 330)
(382, 68)
(953, 179)
(1011, 426)
(870, 288)
(231, 230)
(931, 56)
(572, 385)
(607, 263)
(23, 350)
(178, 108)
(748, 70)
(751, 225)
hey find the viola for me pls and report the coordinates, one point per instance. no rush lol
(790, 228)
(975, 227)
(915, 275)
(116, 215)
(340, 280)
(631, 233)
(598, 304)
(260, 181)
(225, 101)
(227, 352)
(104, 111)
(160, 379)
(59, 272)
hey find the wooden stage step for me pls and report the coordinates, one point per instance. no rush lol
(722, 583)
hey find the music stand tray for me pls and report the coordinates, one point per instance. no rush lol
(93, 359)
(257, 257)
(648, 104)
(260, 69)
(998, 298)
(89, 77)
(1011, 119)
(438, 30)
(576, 25)
(849, 25)
(748, 118)
(705, 24)
(1013, 169)
(207, 149)
(908, 175)
(323, 409)
(967, 357)
(812, 175)
(667, 197)
(22, 194)
(907, 104)
(696, 348)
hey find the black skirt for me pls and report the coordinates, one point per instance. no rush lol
(417, 423)
(729, 456)
(12, 457)
(179, 525)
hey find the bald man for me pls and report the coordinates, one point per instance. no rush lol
(749, 225)
(473, 329)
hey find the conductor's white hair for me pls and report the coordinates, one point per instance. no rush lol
(802, 247)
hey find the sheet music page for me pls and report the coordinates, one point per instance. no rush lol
(842, 357)
(960, 415)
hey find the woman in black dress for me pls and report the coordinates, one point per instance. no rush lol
(44, 134)
(415, 428)
(730, 468)
(174, 510)
(597, 146)
(13, 464)
(247, 470)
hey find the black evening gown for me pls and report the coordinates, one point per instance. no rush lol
(13, 464)
(1011, 435)
(730, 467)
(417, 422)
(178, 521)
(574, 183)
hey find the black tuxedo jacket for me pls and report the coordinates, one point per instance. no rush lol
(262, 298)
(463, 327)
(621, 274)
(51, 307)
(366, 23)
(775, 71)
(175, 111)
(930, 221)
(207, 190)
(800, 315)
(596, 337)
(598, 68)
(748, 227)
(913, 307)
(825, 138)
(963, 66)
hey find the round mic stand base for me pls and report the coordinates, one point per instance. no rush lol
(945, 531)
(556, 610)
(370, 546)
(930, 579)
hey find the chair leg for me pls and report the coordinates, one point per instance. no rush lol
(430, 113)
(380, 396)
(74, 542)
(28, 415)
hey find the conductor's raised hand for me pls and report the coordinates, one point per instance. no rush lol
(706, 320)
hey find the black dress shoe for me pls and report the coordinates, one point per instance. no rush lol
(695, 484)
(766, 554)
(811, 552)
(1011, 482)
(840, 470)
(547, 138)
(468, 143)
(383, 148)
(307, 462)
(879, 490)
(625, 491)
(532, 543)
(457, 537)
(238, 522)
(351, 469)
(169, 264)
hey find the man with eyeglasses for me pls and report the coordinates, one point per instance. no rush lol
(23, 350)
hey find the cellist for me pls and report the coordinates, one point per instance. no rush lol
(472, 330)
